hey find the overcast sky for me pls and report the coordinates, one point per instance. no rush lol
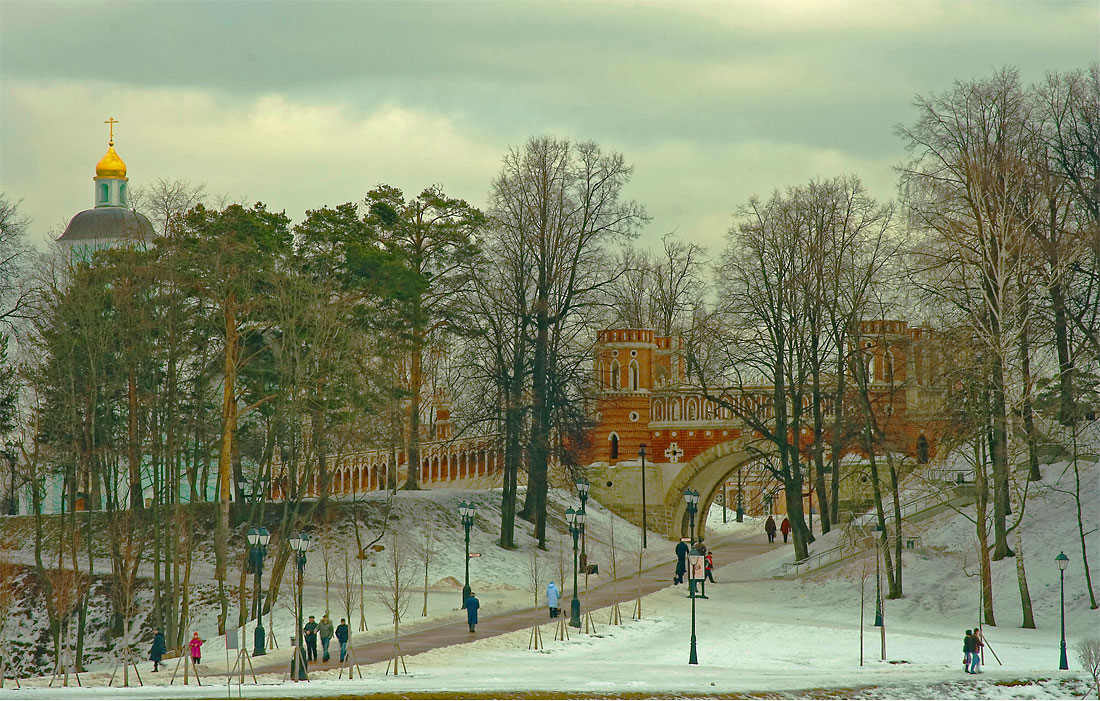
(301, 105)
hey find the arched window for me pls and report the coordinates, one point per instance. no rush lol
(614, 438)
(616, 375)
(675, 405)
(103, 193)
(922, 449)
(632, 374)
(888, 370)
(692, 410)
(600, 374)
(122, 194)
(658, 410)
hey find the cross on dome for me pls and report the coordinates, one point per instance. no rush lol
(111, 122)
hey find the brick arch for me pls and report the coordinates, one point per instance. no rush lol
(705, 475)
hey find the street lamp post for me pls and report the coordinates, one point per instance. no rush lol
(300, 544)
(258, 538)
(641, 452)
(693, 563)
(576, 522)
(582, 492)
(467, 511)
(1063, 563)
(691, 498)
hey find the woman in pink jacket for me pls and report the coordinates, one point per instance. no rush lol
(196, 648)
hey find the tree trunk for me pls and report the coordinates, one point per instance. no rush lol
(229, 429)
(534, 508)
(416, 381)
(1021, 576)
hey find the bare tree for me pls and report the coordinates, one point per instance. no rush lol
(614, 562)
(1088, 654)
(394, 578)
(127, 536)
(14, 251)
(858, 572)
(534, 580)
(427, 553)
(564, 201)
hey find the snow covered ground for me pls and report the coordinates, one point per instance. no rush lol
(757, 635)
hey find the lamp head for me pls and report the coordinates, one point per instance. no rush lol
(582, 487)
(463, 507)
(306, 542)
(471, 509)
(296, 542)
(1062, 560)
(693, 558)
(641, 450)
(265, 537)
(253, 535)
(571, 517)
(580, 518)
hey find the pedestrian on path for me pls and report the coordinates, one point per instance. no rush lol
(342, 633)
(472, 605)
(709, 560)
(976, 645)
(681, 561)
(310, 635)
(156, 653)
(552, 597)
(968, 647)
(324, 629)
(196, 648)
(785, 528)
(769, 528)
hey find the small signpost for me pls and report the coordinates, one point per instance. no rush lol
(475, 555)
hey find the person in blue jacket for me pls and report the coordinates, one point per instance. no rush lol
(552, 596)
(159, 649)
(471, 611)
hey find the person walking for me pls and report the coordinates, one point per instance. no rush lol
(769, 528)
(708, 559)
(681, 561)
(552, 599)
(156, 653)
(785, 528)
(310, 634)
(472, 605)
(196, 648)
(324, 630)
(342, 634)
(968, 647)
(976, 645)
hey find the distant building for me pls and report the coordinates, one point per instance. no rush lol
(111, 223)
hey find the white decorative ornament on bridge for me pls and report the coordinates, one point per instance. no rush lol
(673, 453)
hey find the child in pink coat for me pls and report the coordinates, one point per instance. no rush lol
(196, 648)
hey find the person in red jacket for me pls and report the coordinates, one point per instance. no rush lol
(785, 528)
(196, 648)
(708, 559)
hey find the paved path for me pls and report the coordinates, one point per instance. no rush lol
(456, 632)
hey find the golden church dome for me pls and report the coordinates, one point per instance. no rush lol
(110, 166)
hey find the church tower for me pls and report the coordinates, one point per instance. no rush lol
(111, 222)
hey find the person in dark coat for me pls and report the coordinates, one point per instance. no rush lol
(968, 650)
(785, 528)
(472, 605)
(342, 633)
(310, 634)
(769, 528)
(681, 562)
(158, 650)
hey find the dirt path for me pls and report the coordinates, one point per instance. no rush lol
(490, 624)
